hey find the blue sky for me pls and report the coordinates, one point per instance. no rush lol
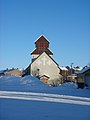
(66, 24)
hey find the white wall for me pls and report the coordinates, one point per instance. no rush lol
(46, 66)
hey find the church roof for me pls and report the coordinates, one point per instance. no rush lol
(40, 51)
(84, 70)
(42, 38)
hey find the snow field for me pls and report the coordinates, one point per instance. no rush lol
(28, 98)
(45, 97)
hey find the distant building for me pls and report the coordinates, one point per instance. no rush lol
(43, 65)
(64, 72)
(84, 76)
(72, 73)
(14, 72)
(11, 72)
(2, 72)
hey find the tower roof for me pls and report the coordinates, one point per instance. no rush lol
(37, 51)
(42, 38)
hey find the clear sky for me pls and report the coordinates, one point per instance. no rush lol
(66, 24)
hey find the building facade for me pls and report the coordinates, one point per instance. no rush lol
(43, 65)
(84, 76)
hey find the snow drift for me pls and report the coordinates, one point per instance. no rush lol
(14, 83)
(32, 84)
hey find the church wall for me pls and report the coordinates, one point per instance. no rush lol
(44, 65)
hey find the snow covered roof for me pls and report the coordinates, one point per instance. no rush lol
(84, 70)
(44, 75)
(43, 37)
(80, 68)
(4, 71)
(63, 68)
(8, 70)
(1, 71)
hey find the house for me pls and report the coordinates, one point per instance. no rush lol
(2, 72)
(14, 72)
(84, 76)
(72, 76)
(43, 65)
(44, 78)
(64, 72)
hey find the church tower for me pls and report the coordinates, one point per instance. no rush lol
(42, 45)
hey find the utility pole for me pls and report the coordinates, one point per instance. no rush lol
(71, 70)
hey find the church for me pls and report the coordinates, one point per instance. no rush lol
(43, 65)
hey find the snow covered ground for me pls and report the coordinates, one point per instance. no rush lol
(28, 98)
(45, 97)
